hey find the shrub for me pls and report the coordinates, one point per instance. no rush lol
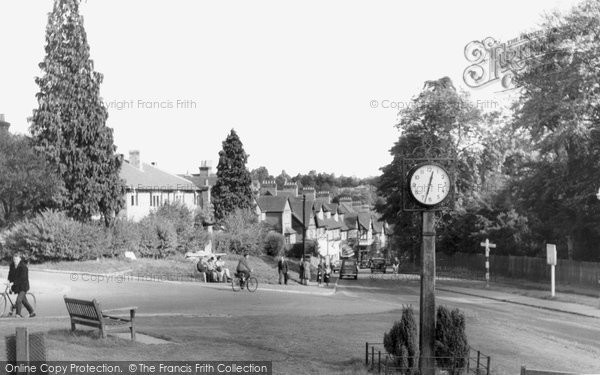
(274, 243)
(451, 343)
(189, 230)
(296, 250)
(242, 233)
(52, 236)
(402, 341)
(158, 237)
(125, 236)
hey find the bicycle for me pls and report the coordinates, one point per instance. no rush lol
(237, 283)
(5, 299)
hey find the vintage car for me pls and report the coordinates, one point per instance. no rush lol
(378, 265)
(336, 265)
(349, 268)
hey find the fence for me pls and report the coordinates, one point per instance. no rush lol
(379, 361)
(519, 267)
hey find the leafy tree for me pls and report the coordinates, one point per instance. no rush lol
(282, 179)
(232, 189)
(453, 124)
(68, 126)
(28, 184)
(261, 174)
(558, 109)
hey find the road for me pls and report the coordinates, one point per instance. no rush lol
(513, 335)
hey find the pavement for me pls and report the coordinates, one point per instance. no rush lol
(544, 304)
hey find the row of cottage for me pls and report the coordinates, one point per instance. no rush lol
(327, 223)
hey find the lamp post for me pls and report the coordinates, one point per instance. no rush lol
(303, 226)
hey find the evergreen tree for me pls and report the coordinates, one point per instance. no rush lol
(69, 125)
(233, 187)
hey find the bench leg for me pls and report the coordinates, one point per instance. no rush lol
(132, 317)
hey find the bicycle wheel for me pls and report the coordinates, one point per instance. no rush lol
(252, 284)
(32, 301)
(4, 307)
(235, 284)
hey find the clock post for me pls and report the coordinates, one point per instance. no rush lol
(427, 305)
(429, 185)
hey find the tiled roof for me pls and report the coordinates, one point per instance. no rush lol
(287, 194)
(332, 224)
(200, 182)
(345, 208)
(364, 219)
(296, 206)
(333, 207)
(151, 178)
(268, 203)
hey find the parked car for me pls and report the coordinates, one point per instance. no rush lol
(336, 265)
(378, 265)
(349, 268)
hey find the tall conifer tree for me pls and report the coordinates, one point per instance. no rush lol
(69, 125)
(233, 187)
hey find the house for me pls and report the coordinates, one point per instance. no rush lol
(330, 224)
(148, 187)
(276, 212)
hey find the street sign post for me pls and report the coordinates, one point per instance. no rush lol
(487, 244)
(551, 260)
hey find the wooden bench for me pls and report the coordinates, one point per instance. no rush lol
(88, 313)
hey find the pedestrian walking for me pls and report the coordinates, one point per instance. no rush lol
(282, 268)
(18, 275)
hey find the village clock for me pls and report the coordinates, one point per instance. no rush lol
(429, 184)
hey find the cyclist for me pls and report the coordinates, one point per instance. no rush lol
(243, 269)
(18, 275)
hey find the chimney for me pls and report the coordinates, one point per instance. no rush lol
(324, 196)
(291, 187)
(3, 125)
(309, 191)
(134, 159)
(345, 199)
(268, 187)
(205, 168)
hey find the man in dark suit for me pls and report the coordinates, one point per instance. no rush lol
(18, 275)
(282, 267)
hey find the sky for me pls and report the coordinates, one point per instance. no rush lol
(307, 85)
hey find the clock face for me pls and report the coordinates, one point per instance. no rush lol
(429, 184)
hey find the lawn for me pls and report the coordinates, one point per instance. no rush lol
(295, 344)
(174, 268)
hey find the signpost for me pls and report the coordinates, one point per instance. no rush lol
(551, 260)
(488, 245)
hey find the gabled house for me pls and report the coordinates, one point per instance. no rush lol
(276, 212)
(148, 187)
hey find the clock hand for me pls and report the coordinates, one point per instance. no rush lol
(428, 187)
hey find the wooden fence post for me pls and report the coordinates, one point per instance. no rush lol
(22, 345)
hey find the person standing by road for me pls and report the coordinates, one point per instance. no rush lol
(327, 274)
(282, 268)
(18, 275)
(320, 270)
(306, 273)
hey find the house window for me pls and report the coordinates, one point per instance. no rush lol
(132, 200)
(287, 240)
